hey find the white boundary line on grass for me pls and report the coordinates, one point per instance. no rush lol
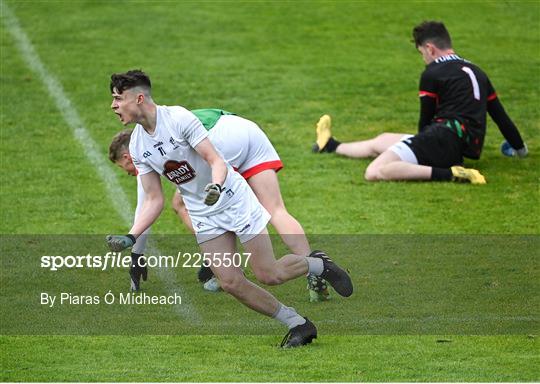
(72, 118)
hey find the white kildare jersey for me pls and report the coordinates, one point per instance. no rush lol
(170, 152)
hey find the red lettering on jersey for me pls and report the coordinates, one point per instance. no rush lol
(178, 172)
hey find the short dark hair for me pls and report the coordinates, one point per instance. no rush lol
(130, 79)
(119, 144)
(434, 32)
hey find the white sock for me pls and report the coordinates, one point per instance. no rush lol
(315, 265)
(288, 316)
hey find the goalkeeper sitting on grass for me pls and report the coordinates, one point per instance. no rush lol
(455, 95)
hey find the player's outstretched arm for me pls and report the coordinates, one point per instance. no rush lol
(152, 207)
(514, 144)
(140, 245)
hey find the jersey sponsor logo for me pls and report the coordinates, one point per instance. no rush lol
(159, 144)
(178, 172)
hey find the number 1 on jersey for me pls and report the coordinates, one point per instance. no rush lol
(476, 88)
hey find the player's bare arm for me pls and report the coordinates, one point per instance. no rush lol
(210, 155)
(152, 204)
(219, 170)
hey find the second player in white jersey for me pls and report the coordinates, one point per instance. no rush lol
(242, 144)
(170, 152)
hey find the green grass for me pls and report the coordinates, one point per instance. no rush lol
(281, 64)
(245, 358)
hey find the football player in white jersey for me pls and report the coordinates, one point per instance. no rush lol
(245, 146)
(172, 142)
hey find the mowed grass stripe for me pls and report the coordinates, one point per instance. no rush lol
(69, 113)
(90, 148)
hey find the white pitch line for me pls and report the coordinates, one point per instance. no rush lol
(90, 147)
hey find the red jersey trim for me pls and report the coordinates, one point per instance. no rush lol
(276, 165)
(430, 94)
(493, 96)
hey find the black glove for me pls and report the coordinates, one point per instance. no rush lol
(213, 191)
(136, 271)
(118, 243)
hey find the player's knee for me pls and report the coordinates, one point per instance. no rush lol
(233, 284)
(371, 174)
(385, 173)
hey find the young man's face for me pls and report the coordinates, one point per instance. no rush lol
(126, 164)
(126, 105)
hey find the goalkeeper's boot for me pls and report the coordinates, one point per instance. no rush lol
(467, 175)
(324, 133)
(300, 335)
(317, 288)
(204, 274)
(337, 277)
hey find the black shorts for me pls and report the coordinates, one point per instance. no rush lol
(437, 146)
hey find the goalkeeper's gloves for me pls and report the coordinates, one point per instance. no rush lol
(507, 150)
(118, 243)
(136, 271)
(213, 191)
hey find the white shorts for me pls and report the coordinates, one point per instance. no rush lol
(404, 152)
(244, 145)
(246, 218)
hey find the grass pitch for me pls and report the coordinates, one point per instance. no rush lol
(422, 311)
